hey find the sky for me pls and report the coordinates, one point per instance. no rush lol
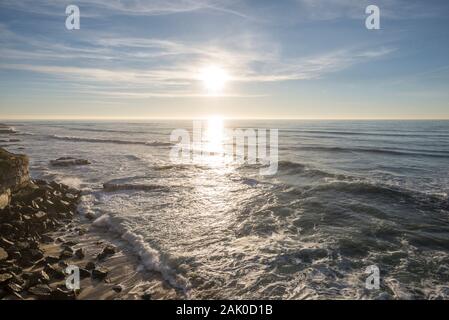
(305, 59)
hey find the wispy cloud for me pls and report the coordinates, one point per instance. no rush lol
(178, 64)
(95, 8)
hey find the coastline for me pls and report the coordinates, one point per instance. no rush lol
(42, 232)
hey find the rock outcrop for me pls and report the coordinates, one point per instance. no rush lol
(69, 161)
(29, 209)
(13, 175)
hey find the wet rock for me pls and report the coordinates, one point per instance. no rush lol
(40, 215)
(146, 295)
(42, 291)
(69, 161)
(118, 288)
(5, 243)
(66, 254)
(13, 170)
(51, 259)
(5, 198)
(3, 254)
(15, 255)
(107, 251)
(79, 253)
(5, 277)
(60, 294)
(99, 273)
(39, 277)
(90, 215)
(31, 255)
(90, 265)
(54, 273)
(13, 287)
(47, 239)
(84, 273)
(7, 229)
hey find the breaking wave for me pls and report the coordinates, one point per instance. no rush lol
(150, 257)
(114, 141)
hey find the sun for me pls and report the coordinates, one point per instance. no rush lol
(214, 79)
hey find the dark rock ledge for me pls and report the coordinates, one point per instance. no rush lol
(29, 209)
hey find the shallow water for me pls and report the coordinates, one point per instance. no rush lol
(347, 195)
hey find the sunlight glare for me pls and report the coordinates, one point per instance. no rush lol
(214, 79)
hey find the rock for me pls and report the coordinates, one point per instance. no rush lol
(5, 198)
(13, 287)
(51, 259)
(35, 254)
(13, 170)
(90, 265)
(5, 243)
(31, 254)
(84, 273)
(47, 239)
(5, 277)
(3, 254)
(7, 229)
(15, 255)
(90, 215)
(70, 243)
(107, 251)
(66, 254)
(39, 277)
(42, 291)
(118, 288)
(40, 215)
(60, 294)
(54, 273)
(99, 273)
(79, 253)
(69, 161)
(146, 295)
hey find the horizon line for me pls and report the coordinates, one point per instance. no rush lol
(50, 118)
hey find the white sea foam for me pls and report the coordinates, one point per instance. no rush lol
(150, 257)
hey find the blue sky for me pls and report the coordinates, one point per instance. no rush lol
(285, 59)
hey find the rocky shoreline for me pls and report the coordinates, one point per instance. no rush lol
(40, 233)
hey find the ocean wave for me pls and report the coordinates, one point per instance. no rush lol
(423, 153)
(299, 168)
(113, 141)
(434, 200)
(354, 133)
(107, 130)
(150, 257)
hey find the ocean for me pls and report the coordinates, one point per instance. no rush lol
(347, 195)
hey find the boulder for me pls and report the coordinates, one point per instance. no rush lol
(42, 291)
(69, 161)
(3, 254)
(90, 265)
(54, 273)
(99, 273)
(79, 253)
(14, 172)
(5, 277)
(5, 198)
(107, 251)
